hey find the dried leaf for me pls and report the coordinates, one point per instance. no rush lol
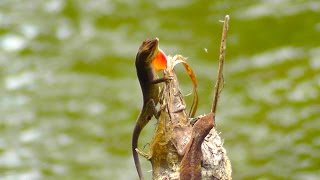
(180, 59)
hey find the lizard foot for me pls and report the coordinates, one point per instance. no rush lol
(141, 153)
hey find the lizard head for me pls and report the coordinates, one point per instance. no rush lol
(152, 54)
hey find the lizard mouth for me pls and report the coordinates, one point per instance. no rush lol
(155, 56)
(152, 46)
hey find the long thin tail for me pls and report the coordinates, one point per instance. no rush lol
(135, 137)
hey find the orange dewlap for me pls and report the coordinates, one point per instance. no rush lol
(160, 61)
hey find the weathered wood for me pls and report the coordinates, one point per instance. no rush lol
(179, 150)
(174, 132)
(190, 167)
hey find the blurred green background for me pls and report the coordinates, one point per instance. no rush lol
(69, 95)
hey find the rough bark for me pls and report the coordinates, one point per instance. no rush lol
(181, 149)
(174, 132)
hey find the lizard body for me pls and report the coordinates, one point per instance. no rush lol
(149, 60)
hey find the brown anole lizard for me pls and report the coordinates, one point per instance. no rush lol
(149, 60)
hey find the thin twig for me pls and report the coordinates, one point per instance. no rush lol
(220, 82)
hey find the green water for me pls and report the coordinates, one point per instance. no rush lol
(69, 95)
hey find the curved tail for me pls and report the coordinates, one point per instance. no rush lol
(134, 142)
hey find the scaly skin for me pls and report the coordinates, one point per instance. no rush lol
(148, 80)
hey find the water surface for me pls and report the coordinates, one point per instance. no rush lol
(69, 94)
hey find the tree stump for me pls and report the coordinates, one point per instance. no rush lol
(172, 135)
(180, 148)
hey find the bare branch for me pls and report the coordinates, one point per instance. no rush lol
(220, 81)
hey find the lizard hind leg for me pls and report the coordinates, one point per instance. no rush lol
(146, 114)
(150, 110)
